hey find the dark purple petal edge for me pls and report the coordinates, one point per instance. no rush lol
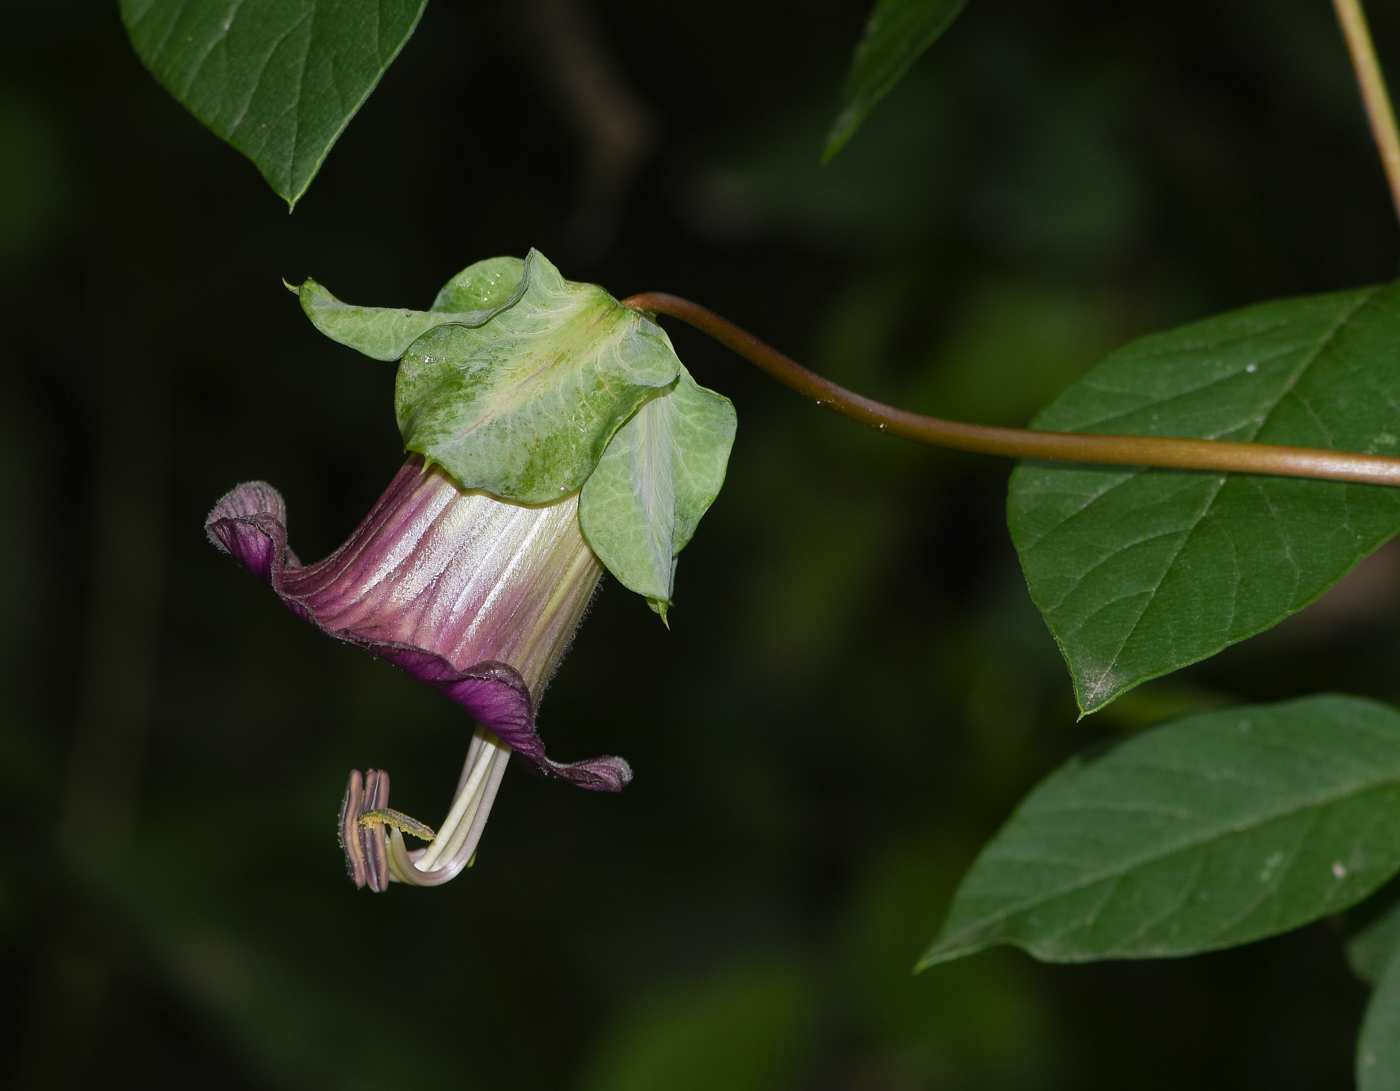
(250, 524)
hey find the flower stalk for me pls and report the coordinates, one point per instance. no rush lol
(1110, 450)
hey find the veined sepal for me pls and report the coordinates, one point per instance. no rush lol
(658, 476)
(472, 298)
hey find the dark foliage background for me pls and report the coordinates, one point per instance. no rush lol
(855, 689)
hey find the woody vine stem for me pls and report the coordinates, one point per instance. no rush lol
(1114, 450)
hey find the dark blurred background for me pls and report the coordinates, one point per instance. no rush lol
(855, 689)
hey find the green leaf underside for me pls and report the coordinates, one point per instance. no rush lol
(658, 476)
(896, 34)
(524, 404)
(1216, 830)
(1378, 1048)
(1140, 572)
(277, 79)
(471, 298)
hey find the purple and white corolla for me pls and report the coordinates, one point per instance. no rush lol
(477, 597)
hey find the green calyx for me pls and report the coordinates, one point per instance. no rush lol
(531, 387)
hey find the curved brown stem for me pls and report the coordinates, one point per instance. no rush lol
(1180, 454)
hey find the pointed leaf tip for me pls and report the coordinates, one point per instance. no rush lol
(277, 81)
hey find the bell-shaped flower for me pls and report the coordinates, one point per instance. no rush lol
(477, 597)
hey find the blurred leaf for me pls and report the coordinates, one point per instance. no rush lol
(897, 33)
(1370, 949)
(1015, 346)
(277, 79)
(1210, 832)
(658, 476)
(822, 569)
(902, 190)
(1139, 572)
(744, 1031)
(1378, 1048)
(947, 159)
(35, 185)
(524, 405)
(979, 1022)
(471, 298)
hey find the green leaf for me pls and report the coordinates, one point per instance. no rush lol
(1378, 1048)
(658, 476)
(524, 404)
(1139, 572)
(277, 79)
(1215, 830)
(897, 33)
(1370, 947)
(471, 298)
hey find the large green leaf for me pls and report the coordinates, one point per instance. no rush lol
(1215, 830)
(897, 33)
(658, 476)
(1378, 1048)
(277, 79)
(471, 298)
(524, 404)
(1139, 572)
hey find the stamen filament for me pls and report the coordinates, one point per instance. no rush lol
(372, 832)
